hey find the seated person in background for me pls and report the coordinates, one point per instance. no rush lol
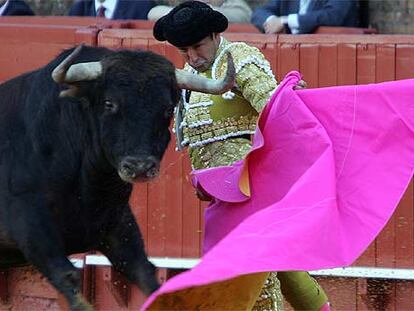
(112, 9)
(14, 7)
(304, 16)
(236, 11)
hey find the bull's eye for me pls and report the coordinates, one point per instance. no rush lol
(110, 106)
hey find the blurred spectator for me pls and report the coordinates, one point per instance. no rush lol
(304, 16)
(14, 7)
(236, 11)
(112, 9)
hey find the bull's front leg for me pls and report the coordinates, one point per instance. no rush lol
(124, 247)
(30, 224)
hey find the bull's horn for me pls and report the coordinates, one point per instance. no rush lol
(190, 81)
(65, 72)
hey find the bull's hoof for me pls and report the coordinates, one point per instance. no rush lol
(80, 304)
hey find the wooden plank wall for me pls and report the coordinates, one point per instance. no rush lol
(27, 47)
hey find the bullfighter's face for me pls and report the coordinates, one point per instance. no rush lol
(201, 55)
(135, 113)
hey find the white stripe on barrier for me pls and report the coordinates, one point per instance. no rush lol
(368, 272)
(160, 262)
(352, 272)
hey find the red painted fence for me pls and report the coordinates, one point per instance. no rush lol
(168, 212)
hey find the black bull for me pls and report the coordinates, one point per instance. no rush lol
(69, 156)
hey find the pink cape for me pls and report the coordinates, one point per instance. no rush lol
(326, 171)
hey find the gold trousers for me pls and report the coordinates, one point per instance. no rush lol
(258, 292)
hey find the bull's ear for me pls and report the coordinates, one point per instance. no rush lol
(72, 91)
(78, 89)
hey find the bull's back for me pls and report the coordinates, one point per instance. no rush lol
(19, 100)
(5, 241)
(14, 95)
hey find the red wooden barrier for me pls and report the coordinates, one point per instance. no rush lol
(26, 47)
(345, 30)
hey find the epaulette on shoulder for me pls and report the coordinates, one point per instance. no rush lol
(243, 54)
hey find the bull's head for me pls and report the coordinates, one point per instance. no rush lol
(133, 95)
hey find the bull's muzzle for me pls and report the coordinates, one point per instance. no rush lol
(138, 169)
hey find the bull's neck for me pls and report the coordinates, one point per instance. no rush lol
(95, 160)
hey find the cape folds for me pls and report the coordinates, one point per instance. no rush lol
(326, 171)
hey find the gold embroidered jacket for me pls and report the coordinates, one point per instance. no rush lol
(209, 118)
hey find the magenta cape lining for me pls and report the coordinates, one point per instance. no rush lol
(326, 171)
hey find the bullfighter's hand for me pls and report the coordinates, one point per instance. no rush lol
(300, 85)
(273, 25)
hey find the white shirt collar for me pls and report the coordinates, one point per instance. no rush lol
(110, 6)
(221, 41)
(3, 7)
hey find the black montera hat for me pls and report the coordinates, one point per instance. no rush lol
(189, 23)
